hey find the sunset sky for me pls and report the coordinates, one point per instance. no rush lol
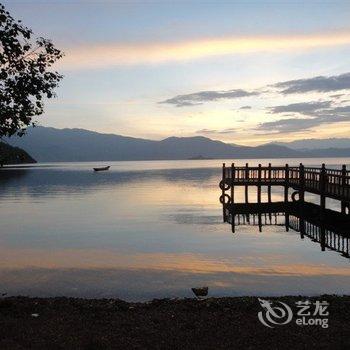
(244, 72)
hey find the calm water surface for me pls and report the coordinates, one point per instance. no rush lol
(148, 229)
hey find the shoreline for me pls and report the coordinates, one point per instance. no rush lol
(275, 158)
(220, 323)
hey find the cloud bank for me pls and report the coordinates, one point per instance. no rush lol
(214, 131)
(317, 112)
(302, 107)
(316, 84)
(303, 115)
(320, 84)
(198, 98)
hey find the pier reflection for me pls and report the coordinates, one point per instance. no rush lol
(329, 228)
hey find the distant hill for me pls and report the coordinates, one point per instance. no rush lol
(329, 152)
(330, 143)
(50, 145)
(14, 155)
(55, 145)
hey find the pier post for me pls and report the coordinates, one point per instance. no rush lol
(301, 183)
(269, 186)
(286, 183)
(322, 236)
(259, 197)
(322, 190)
(302, 226)
(287, 219)
(343, 182)
(259, 184)
(269, 190)
(286, 189)
(246, 195)
(301, 199)
(223, 191)
(233, 174)
(246, 186)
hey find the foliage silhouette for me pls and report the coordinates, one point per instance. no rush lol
(25, 76)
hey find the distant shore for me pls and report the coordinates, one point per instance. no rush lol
(13, 155)
(213, 323)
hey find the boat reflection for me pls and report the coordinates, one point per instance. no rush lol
(331, 229)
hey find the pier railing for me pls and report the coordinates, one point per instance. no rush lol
(333, 183)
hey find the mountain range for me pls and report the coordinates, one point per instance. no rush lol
(47, 144)
(316, 143)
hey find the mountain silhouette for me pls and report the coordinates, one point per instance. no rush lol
(13, 155)
(316, 143)
(54, 145)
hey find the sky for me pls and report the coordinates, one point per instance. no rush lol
(244, 72)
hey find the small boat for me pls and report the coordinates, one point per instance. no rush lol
(102, 169)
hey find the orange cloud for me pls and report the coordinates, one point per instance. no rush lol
(102, 56)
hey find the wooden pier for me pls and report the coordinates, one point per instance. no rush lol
(324, 182)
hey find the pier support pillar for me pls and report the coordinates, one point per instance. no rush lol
(246, 196)
(259, 184)
(269, 191)
(223, 191)
(286, 190)
(259, 197)
(246, 193)
(286, 184)
(301, 199)
(323, 179)
(269, 194)
(302, 226)
(287, 219)
(302, 183)
(344, 204)
(323, 237)
(343, 207)
(233, 174)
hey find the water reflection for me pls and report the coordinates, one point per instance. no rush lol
(52, 181)
(330, 228)
(145, 233)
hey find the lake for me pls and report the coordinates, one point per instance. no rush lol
(146, 230)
